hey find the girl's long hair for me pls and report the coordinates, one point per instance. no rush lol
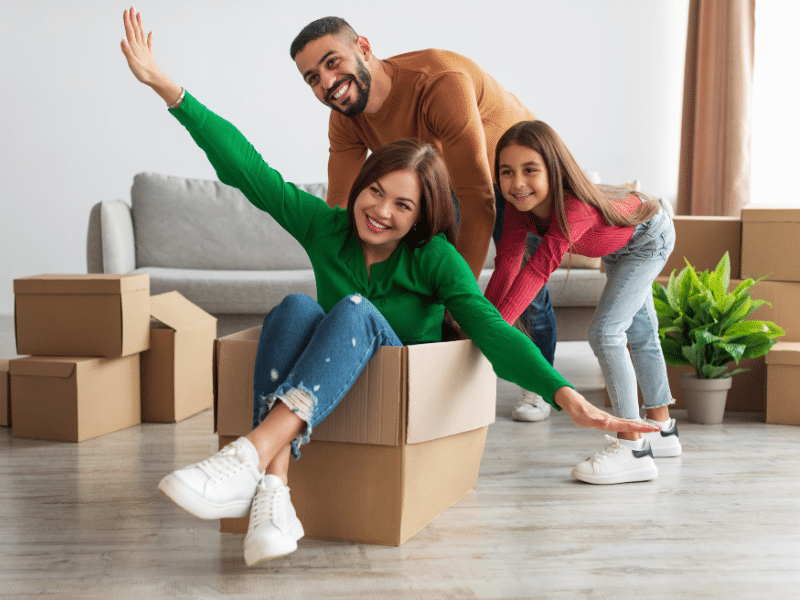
(438, 214)
(564, 174)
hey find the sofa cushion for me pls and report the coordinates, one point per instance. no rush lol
(232, 292)
(204, 224)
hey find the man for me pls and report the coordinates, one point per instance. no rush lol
(436, 96)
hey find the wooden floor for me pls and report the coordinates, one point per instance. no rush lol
(86, 521)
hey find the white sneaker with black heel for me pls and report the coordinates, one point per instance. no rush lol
(274, 527)
(665, 443)
(532, 407)
(219, 487)
(617, 463)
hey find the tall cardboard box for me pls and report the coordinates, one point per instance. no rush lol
(403, 445)
(769, 243)
(5, 406)
(73, 399)
(703, 240)
(82, 315)
(177, 370)
(783, 382)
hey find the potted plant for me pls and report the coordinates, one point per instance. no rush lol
(703, 325)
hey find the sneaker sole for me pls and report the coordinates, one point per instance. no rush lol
(257, 553)
(629, 476)
(183, 497)
(667, 450)
(523, 416)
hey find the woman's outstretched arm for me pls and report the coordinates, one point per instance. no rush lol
(138, 51)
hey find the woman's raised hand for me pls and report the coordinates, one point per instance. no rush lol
(138, 51)
(585, 414)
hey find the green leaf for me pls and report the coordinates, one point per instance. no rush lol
(672, 352)
(690, 354)
(757, 350)
(712, 372)
(723, 271)
(735, 351)
(746, 328)
(736, 371)
(743, 287)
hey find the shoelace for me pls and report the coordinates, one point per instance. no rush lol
(266, 506)
(608, 451)
(227, 461)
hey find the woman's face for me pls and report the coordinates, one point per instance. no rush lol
(385, 211)
(524, 180)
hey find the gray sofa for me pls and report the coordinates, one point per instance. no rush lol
(205, 240)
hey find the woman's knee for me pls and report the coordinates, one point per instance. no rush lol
(295, 304)
(355, 306)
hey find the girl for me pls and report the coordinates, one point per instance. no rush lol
(385, 272)
(546, 192)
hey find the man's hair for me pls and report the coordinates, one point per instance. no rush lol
(320, 28)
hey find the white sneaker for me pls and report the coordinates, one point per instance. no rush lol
(665, 443)
(219, 487)
(274, 527)
(532, 407)
(617, 463)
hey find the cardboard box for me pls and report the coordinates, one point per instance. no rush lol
(783, 381)
(403, 445)
(5, 405)
(703, 240)
(769, 238)
(82, 315)
(73, 399)
(177, 370)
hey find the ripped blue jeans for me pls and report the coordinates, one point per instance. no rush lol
(309, 360)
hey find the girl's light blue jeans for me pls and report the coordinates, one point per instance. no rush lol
(626, 316)
(309, 360)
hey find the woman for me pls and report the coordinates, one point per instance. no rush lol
(385, 272)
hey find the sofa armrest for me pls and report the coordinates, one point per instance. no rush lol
(110, 245)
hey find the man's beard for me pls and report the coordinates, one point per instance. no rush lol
(362, 80)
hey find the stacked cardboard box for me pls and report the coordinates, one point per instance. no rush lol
(768, 237)
(402, 446)
(85, 334)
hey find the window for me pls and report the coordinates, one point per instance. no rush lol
(776, 105)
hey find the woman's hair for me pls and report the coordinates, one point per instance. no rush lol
(437, 214)
(564, 174)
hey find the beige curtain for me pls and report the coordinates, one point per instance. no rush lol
(714, 174)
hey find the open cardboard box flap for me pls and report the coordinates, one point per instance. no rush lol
(178, 313)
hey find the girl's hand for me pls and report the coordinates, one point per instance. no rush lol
(138, 51)
(585, 414)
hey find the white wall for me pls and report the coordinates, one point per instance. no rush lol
(75, 126)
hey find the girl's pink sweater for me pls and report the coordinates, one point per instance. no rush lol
(512, 288)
